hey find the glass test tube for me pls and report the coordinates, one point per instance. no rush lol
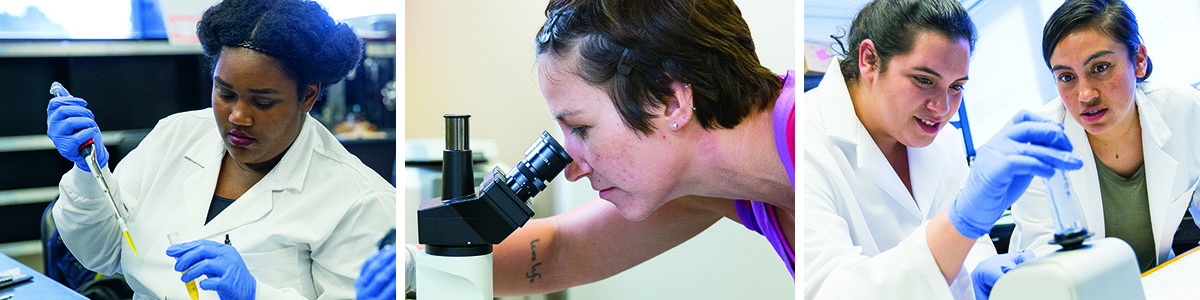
(173, 238)
(1063, 203)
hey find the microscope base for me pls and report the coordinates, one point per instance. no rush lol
(454, 277)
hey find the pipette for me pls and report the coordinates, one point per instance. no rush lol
(87, 150)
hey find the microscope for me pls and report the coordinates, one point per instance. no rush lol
(459, 229)
(1102, 269)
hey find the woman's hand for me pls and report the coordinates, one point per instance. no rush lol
(227, 273)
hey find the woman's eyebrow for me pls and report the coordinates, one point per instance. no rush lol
(562, 115)
(264, 91)
(1096, 55)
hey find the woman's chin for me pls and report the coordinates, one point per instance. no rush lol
(635, 214)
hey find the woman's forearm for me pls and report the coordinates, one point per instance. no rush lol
(948, 246)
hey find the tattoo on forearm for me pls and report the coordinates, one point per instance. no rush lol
(533, 273)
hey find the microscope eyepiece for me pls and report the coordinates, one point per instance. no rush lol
(543, 161)
(459, 224)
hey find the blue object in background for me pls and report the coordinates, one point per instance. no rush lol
(150, 14)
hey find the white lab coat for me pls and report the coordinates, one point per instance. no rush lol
(864, 234)
(303, 231)
(1170, 119)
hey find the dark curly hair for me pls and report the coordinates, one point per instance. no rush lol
(311, 46)
(635, 49)
(893, 26)
(1111, 17)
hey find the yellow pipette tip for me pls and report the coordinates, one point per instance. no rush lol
(130, 240)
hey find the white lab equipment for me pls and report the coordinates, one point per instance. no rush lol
(459, 229)
(1103, 269)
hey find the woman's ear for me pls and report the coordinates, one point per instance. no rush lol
(679, 110)
(311, 92)
(868, 60)
(1141, 61)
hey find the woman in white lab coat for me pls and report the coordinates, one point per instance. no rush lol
(266, 202)
(884, 216)
(1138, 139)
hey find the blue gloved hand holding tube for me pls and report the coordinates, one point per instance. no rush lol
(377, 280)
(989, 270)
(1028, 146)
(227, 273)
(69, 124)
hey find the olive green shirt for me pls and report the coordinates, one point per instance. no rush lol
(1127, 212)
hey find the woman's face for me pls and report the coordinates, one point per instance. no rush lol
(257, 110)
(1095, 78)
(919, 91)
(635, 172)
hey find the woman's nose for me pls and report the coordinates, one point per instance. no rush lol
(239, 114)
(577, 170)
(939, 104)
(1088, 95)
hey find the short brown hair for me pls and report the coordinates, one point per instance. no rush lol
(635, 49)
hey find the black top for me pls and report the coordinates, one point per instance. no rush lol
(218, 204)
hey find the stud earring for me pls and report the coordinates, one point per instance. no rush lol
(693, 107)
(674, 125)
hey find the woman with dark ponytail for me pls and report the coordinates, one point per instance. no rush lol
(265, 202)
(891, 210)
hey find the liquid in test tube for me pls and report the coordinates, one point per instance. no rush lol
(173, 238)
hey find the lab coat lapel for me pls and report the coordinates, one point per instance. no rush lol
(847, 131)
(926, 167)
(1084, 182)
(253, 205)
(1161, 171)
(879, 171)
(288, 175)
(206, 156)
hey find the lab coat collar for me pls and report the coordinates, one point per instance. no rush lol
(289, 174)
(847, 131)
(837, 115)
(292, 169)
(1153, 125)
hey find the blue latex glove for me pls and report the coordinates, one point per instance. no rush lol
(377, 280)
(989, 270)
(1028, 146)
(69, 124)
(227, 273)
